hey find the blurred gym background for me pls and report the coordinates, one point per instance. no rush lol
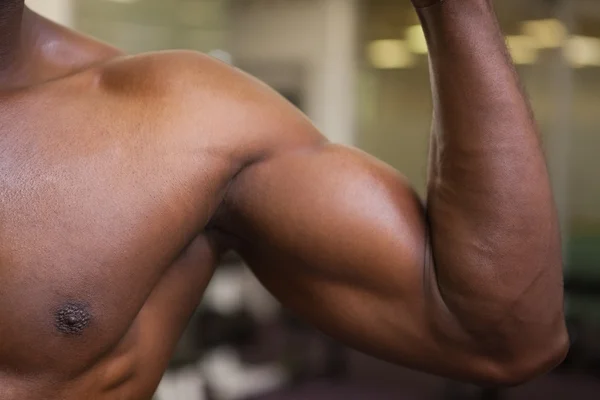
(358, 68)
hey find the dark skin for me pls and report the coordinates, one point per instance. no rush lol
(124, 179)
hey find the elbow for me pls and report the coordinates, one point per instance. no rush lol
(530, 362)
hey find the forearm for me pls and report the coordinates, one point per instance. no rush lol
(494, 231)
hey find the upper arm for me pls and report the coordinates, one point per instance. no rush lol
(337, 236)
(341, 239)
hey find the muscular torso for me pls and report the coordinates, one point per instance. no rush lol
(104, 253)
(123, 178)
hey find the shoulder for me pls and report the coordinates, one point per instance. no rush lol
(166, 70)
(201, 92)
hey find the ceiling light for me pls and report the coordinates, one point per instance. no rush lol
(583, 51)
(390, 54)
(547, 33)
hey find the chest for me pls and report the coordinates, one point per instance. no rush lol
(84, 239)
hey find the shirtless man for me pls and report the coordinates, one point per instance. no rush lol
(124, 178)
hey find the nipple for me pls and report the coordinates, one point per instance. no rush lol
(72, 318)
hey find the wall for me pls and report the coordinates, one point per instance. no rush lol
(57, 10)
(316, 37)
(155, 24)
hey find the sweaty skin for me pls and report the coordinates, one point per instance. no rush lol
(123, 179)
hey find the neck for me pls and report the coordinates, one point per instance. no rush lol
(11, 32)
